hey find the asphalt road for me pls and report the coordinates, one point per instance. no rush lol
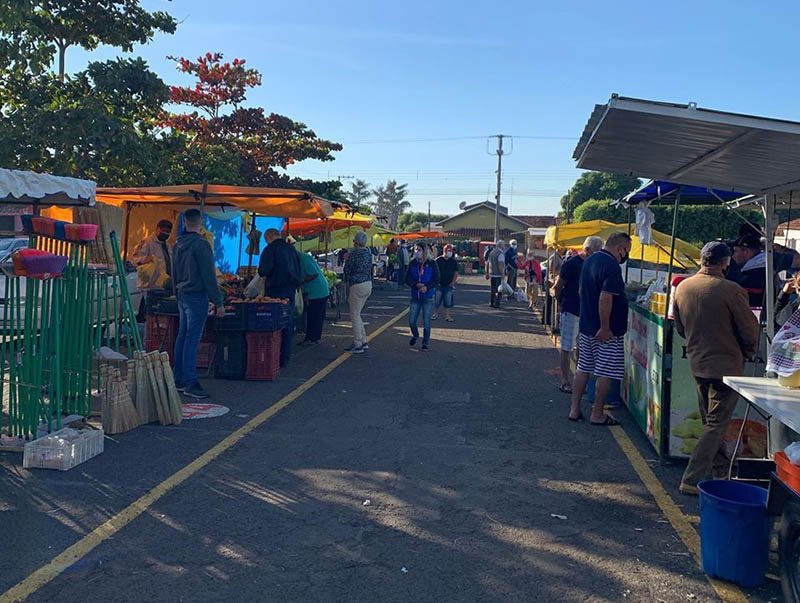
(400, 476)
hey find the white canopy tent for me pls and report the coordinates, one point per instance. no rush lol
(30, 188)
(756, 156)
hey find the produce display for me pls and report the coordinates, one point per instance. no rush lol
(331, 277)
(260, 299)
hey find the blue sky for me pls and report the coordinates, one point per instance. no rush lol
(377, 71)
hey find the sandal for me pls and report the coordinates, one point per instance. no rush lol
(607, 422)
(565, 389)
(577, 419)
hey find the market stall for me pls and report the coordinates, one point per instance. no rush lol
(757, 159)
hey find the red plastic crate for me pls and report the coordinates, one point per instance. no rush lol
(205, 353)
(263, 356)
(160, 334)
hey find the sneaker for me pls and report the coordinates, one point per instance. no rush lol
(434, 316)
(181, 387)
(352, 347)
(689, 489)
(413, 342)
(365, 347)
(196, 391)
(424, 347)
(358, 350)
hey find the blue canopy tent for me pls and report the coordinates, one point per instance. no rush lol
(657, 190)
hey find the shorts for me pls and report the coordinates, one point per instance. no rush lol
(602, 358)
(569, 331)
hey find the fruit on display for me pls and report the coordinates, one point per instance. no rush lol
(261, 299)
(689, 431)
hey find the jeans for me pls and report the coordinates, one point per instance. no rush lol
(315, 316)
(716, 403)
(192, 311)
(426, 306)
(495, 298)
(444, 296)
(512, 278)
(359, 293)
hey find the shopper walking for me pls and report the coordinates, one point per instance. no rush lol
(713, 315)
(512, 266)
(279, 266)
(448, 276)
(316, 289)
(602, 326)
(566, 290)
(358, 275)
(195, 281)
(423, 278)
(495, 272)
(532, 270)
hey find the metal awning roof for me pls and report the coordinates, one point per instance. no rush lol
(657, 190)
(686, 144)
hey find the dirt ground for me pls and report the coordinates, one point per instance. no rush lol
(451, 475)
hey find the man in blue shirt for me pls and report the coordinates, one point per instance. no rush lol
(603, 323)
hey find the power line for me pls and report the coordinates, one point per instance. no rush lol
(449, 139)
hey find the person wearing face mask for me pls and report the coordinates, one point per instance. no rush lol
(153, 260)
(423, 278)
(512, 265)
(602, 326)
(533, 278)
(448, 275)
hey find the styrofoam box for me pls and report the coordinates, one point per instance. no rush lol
(63, 449)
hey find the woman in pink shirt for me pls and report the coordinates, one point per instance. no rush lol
(533, 278)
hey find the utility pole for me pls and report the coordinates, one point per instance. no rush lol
(429, 216)
(497, 197)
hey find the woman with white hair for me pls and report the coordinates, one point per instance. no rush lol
(423, 278)
(358, 275)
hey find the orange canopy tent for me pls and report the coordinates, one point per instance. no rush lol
(340, 219)
(432, 234)
(144, 206)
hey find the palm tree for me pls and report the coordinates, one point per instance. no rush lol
(359, 193)
(390, 201)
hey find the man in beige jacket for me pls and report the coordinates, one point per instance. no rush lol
(721, 332)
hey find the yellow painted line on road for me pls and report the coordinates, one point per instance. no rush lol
(729, 593)
(85, 545)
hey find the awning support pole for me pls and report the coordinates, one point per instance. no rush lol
(630, 210)
(250, 260)
(769, 230)
(672, 248)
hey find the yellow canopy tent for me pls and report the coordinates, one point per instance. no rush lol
(572, 236)
(145, 206)
(377, 236)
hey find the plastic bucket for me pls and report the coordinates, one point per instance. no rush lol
(734, 531)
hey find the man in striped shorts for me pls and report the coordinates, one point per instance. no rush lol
(603, 323)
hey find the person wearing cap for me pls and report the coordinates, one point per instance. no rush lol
(713, 315)
(279, 266)
(512, 265)
(358, 275)
(448, 275)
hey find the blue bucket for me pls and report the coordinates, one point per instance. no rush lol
(734, 531)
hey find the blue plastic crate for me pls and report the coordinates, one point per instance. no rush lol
(268, 316)
(235, 318)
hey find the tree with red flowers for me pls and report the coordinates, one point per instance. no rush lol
(260, 142)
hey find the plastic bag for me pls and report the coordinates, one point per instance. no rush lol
(505, 289)
(298, 304)
(520, 296)
(255, 287)
(793, 452)
(152, 275)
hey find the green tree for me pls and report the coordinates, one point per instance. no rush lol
(390, 202)
(597, 185)
(417, 220)
(95, 124)
(33, 32)
(359, 194)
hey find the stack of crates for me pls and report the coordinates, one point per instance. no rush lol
(248, 341)
(231, 350)
(161, 330)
